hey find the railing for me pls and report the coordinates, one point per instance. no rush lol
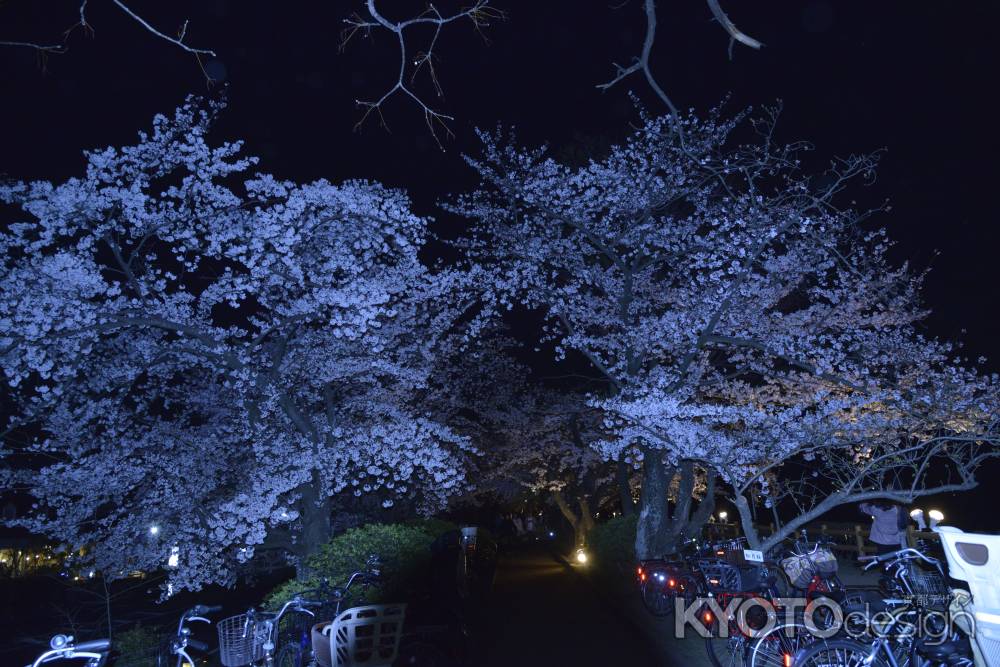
(847, 537)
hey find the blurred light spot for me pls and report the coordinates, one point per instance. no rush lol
(216, 70)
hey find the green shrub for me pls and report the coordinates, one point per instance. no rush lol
(405, 554)
(432, 526)
(612, 543)
(138, 646)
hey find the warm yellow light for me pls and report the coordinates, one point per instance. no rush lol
(581, 556)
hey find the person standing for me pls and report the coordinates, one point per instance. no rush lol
(888, 531)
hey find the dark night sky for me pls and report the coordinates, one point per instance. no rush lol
(855, 75)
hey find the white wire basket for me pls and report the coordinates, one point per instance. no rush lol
(241, 640)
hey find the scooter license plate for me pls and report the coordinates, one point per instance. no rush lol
(753, 556)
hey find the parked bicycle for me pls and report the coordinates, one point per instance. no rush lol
(182, 640)
(251, 638)
(893, 641)
(64, 647)
(99, 653)
(303, 642)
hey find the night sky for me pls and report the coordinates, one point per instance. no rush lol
(855, 76)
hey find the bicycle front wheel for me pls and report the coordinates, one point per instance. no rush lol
(728, 651)
(778, 646)
(838, 653)
(290, 655)
(657, 601)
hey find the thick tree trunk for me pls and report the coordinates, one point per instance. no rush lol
(652, 535)
(583, 522)
(659, 532)
(622, 473)
(315, 527)
(746, 520)
(586, 521)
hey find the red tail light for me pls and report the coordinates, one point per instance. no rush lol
(671, 583)
(786, 660)
(707, 616)
(639, 570)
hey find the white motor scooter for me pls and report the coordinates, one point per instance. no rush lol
(974, 558)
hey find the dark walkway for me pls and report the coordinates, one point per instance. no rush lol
(543, 613)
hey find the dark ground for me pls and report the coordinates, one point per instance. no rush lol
(543, 612)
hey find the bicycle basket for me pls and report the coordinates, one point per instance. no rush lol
(720, 576)
(241, 641)
(928, 583)
(825, 562)
(799, 570)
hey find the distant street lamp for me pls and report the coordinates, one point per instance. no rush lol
(154, 530)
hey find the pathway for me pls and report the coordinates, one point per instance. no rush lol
(542, 612)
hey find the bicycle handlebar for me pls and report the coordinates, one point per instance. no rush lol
(95, 646)
(201, 609)
(900, 554)
(63, 648)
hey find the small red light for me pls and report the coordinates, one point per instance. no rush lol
(671, 583)
(787, 660)
(720, 552)
(640, 571)
(642, 576)
(708, 617)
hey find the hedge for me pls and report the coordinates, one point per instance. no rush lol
(612, 543)
(403, 549)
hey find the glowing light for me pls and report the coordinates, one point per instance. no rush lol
(154, 530)
(581, 558)
(671, 583)
(175, 557)
(723, 516)
(786, 660)
(936, 515)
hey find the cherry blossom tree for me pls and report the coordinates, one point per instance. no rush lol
(704, 279)
(914, 422)
(202, 356)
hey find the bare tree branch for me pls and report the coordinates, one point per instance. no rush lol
(735, 33)
(480, 14)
